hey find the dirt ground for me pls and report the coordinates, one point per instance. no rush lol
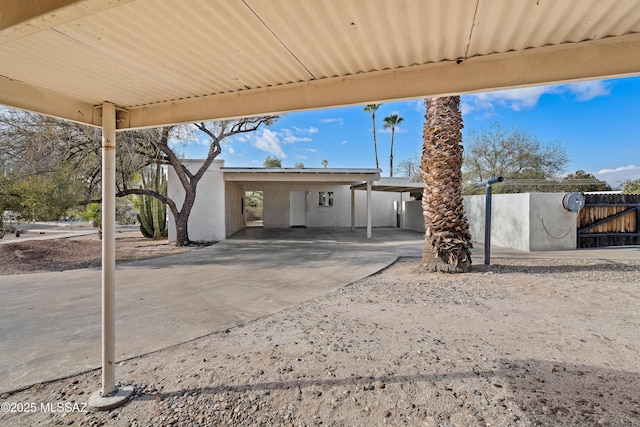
(33, 256)
(524, 342)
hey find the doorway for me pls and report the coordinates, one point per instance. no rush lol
(298, 208)
(253, 208)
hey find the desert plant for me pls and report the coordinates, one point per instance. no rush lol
(92, 214)
(153, 212)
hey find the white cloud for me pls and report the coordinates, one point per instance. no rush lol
(615, 177)
(417, 105)
(230, 149)
(527, 98)
(343, 142)
(269, 142)
(288, 137)
(338, 120)
(585, 91)
(309, 131)
(272, 141)
(311, 150)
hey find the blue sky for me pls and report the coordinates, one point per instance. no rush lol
(598, 122)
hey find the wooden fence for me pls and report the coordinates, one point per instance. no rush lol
(609, 220)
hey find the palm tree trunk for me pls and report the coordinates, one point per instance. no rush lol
(447, 238)
(375, 144)
(393, 130)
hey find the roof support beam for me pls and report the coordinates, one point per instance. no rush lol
(615, 56)
(25, 97)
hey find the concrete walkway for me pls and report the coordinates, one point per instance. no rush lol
(50, 322)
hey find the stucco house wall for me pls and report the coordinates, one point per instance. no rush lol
(276, 199)
(207, 220)
(235, 206)
(413, 219)
(526, 221)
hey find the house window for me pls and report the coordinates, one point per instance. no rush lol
(325, 198)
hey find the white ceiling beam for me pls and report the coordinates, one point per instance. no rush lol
(43, 101)
(20, 18)
(611, 57)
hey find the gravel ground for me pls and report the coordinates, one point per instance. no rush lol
(36, 256)
(520, 343)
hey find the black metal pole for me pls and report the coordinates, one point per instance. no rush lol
(487, 226)
(487, 216)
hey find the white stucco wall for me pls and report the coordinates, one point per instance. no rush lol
(235, 202)
(207, 220)
(517, 221)
(413, 216)
(276, 209)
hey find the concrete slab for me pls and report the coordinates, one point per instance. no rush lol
(50, 322)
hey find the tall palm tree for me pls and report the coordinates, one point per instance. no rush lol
(447, 245)
(391, 122)
(372, 108)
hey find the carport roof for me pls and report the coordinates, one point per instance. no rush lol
(394, 185)
(330, 175)
(166, 62)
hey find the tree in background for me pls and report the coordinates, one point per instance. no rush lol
(372, 108)
(40, 179)
(325, 164)
(254, 199)
(299, 165)
(514, 154)
(392, 121)
(272, 162)
(34, 145)
(582, 182)
(410, 167)
(631, 186)
(447, 244)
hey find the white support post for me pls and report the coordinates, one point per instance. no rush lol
(109, 397)
(368, 209)
(108, 247)
(400, 219)
(353, 209)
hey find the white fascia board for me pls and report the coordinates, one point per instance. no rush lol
(609, 57)
(19, 95)
(299, 177)
(233, 169)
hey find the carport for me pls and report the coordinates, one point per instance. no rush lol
(257, 176)
(128, 64)
(392, 185)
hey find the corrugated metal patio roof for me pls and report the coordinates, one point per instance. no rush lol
(165, 61)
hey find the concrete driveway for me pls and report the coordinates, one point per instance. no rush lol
(50, 322)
